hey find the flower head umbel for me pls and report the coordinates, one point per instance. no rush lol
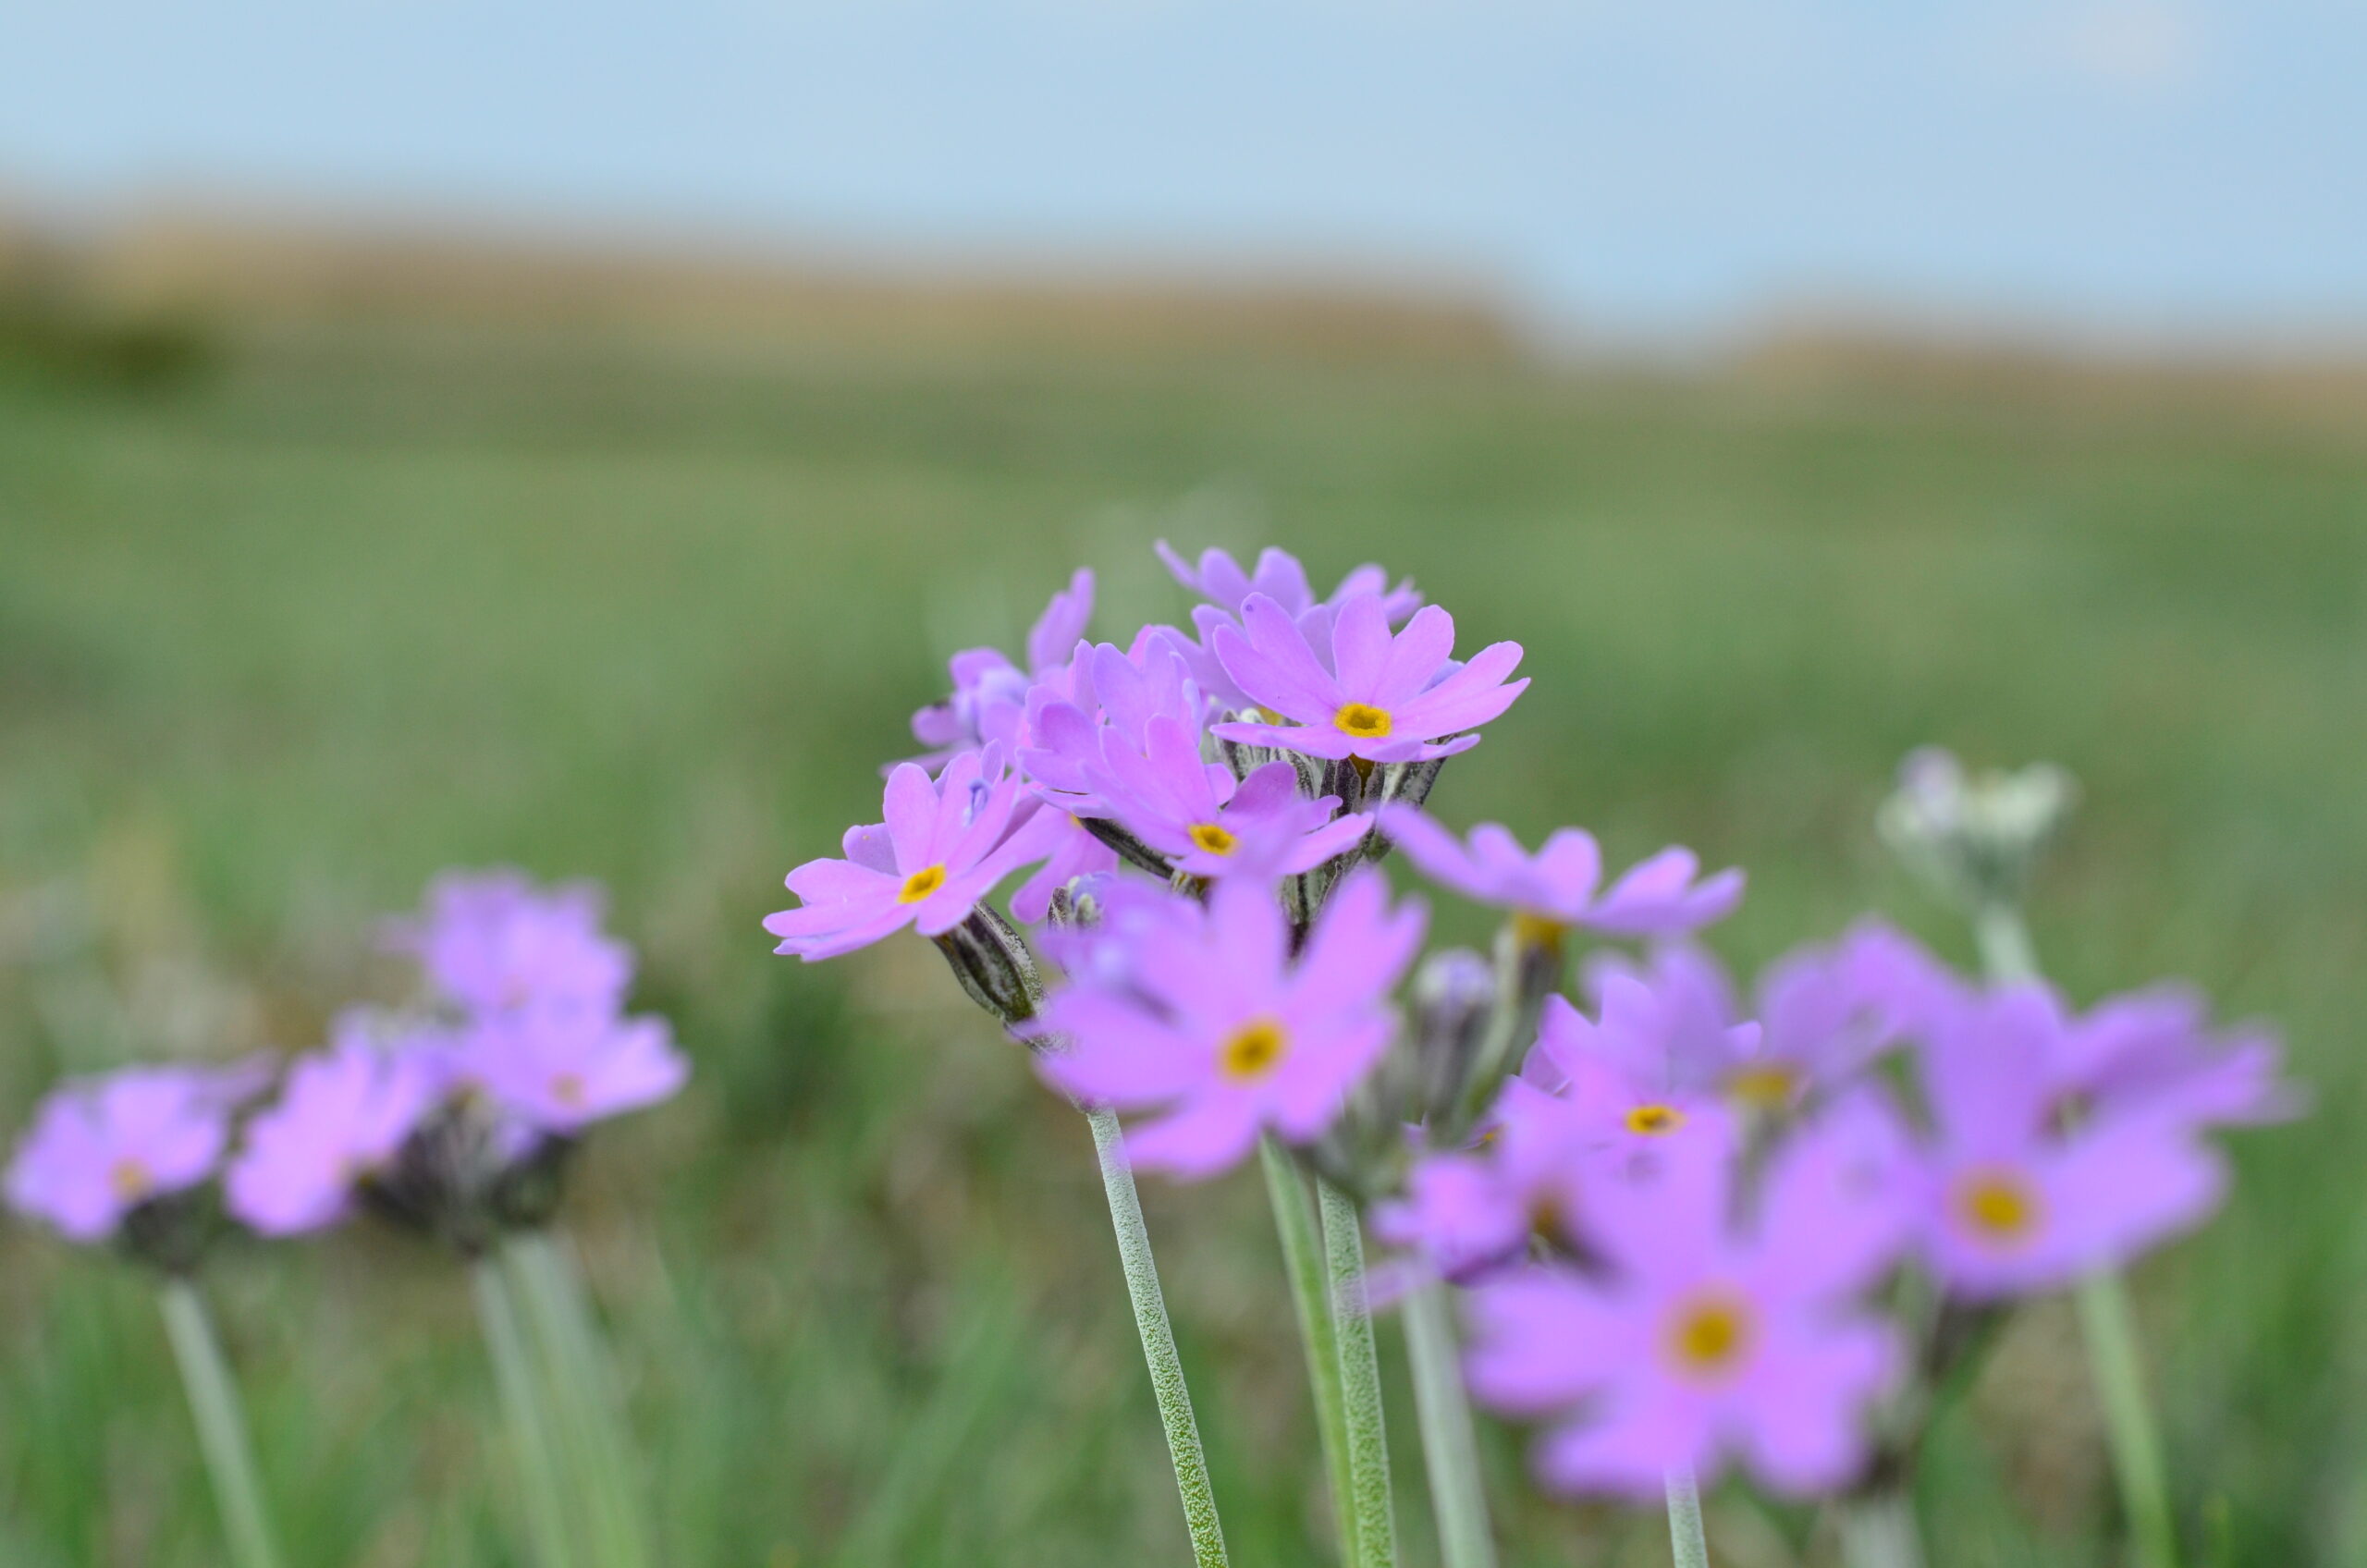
(989, 700)
(1368, 694)
(2015, 1201)
(1973, 836)
(945, 844)
(342, 1116)
(491, 941)
(1214, 1023)
(1556, 886)
(101, 1147)
(1112, 695)
(1697, 1338)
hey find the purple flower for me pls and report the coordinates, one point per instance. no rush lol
(989, 698)
(491, 941)
(2015, 1203)
(1218, 1026)
(1467, 1212)
(1381, 697)
(1628, 1077)
(945, 844)
(1070, 853)
(1555, 888)
(1111, 693)
(560, 1072)
(1194, 813)
(342, 1116)
(2153, 1053)
(1824, 1013)
(1220, 580)
(99, 1148)
(1694, 1341)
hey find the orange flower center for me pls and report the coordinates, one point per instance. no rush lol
(1655, 1121)
(922, 883)
(1214, 837)
(1363, 721)
(568, 1089)
(1710, 1335)
(1253, 1050)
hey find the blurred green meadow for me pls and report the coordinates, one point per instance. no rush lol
(281, 637)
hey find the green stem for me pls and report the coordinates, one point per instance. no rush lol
(2104, 1320)
(1311, 1295)
(530, 1446)
(2113, 1360)
(1158, 1343)
(583, 1396)
(1878, 1531)
(1449, 1447)
(221, 1429)
(1367, 1434)
(1685, 1540)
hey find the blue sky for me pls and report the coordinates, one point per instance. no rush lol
(2134, 166)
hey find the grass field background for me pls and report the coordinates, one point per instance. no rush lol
(277, 645)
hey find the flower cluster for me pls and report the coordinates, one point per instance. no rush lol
(441, 1113)
(1672, 1209)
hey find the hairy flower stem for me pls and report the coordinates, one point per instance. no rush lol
(522, 1410)
(221, 1428)
(1158, 1344)
(583, 1396)
(1367, 1432)
(1302, 1263)
(1449, 1446)
(1685, 1540)
(2114, 1361)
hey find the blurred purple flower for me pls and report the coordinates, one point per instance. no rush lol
(945, 844)
(2153, 1053)
(1628, 1077)
(1229, 1036)
(1692, 1341)
(1556, 886)
(1469, 1212)
(493, 940)
(1381, 697)
(559, 1073)
(989, 698)
(2014, 1202)
(342, 1116)
(102, 1146)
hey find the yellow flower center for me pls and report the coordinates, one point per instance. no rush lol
(1764, 1086)
(1710, 1335)
(1363, 721)
(922, 883)
(568, 1089)
(1537, 933)
(1999, 1207)
(1655, 1121)
(130, 1179)
(1253, 1050)
(1214, 837)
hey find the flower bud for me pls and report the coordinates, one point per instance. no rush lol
(992, 962)
(1454, 994)
(1974, 837)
